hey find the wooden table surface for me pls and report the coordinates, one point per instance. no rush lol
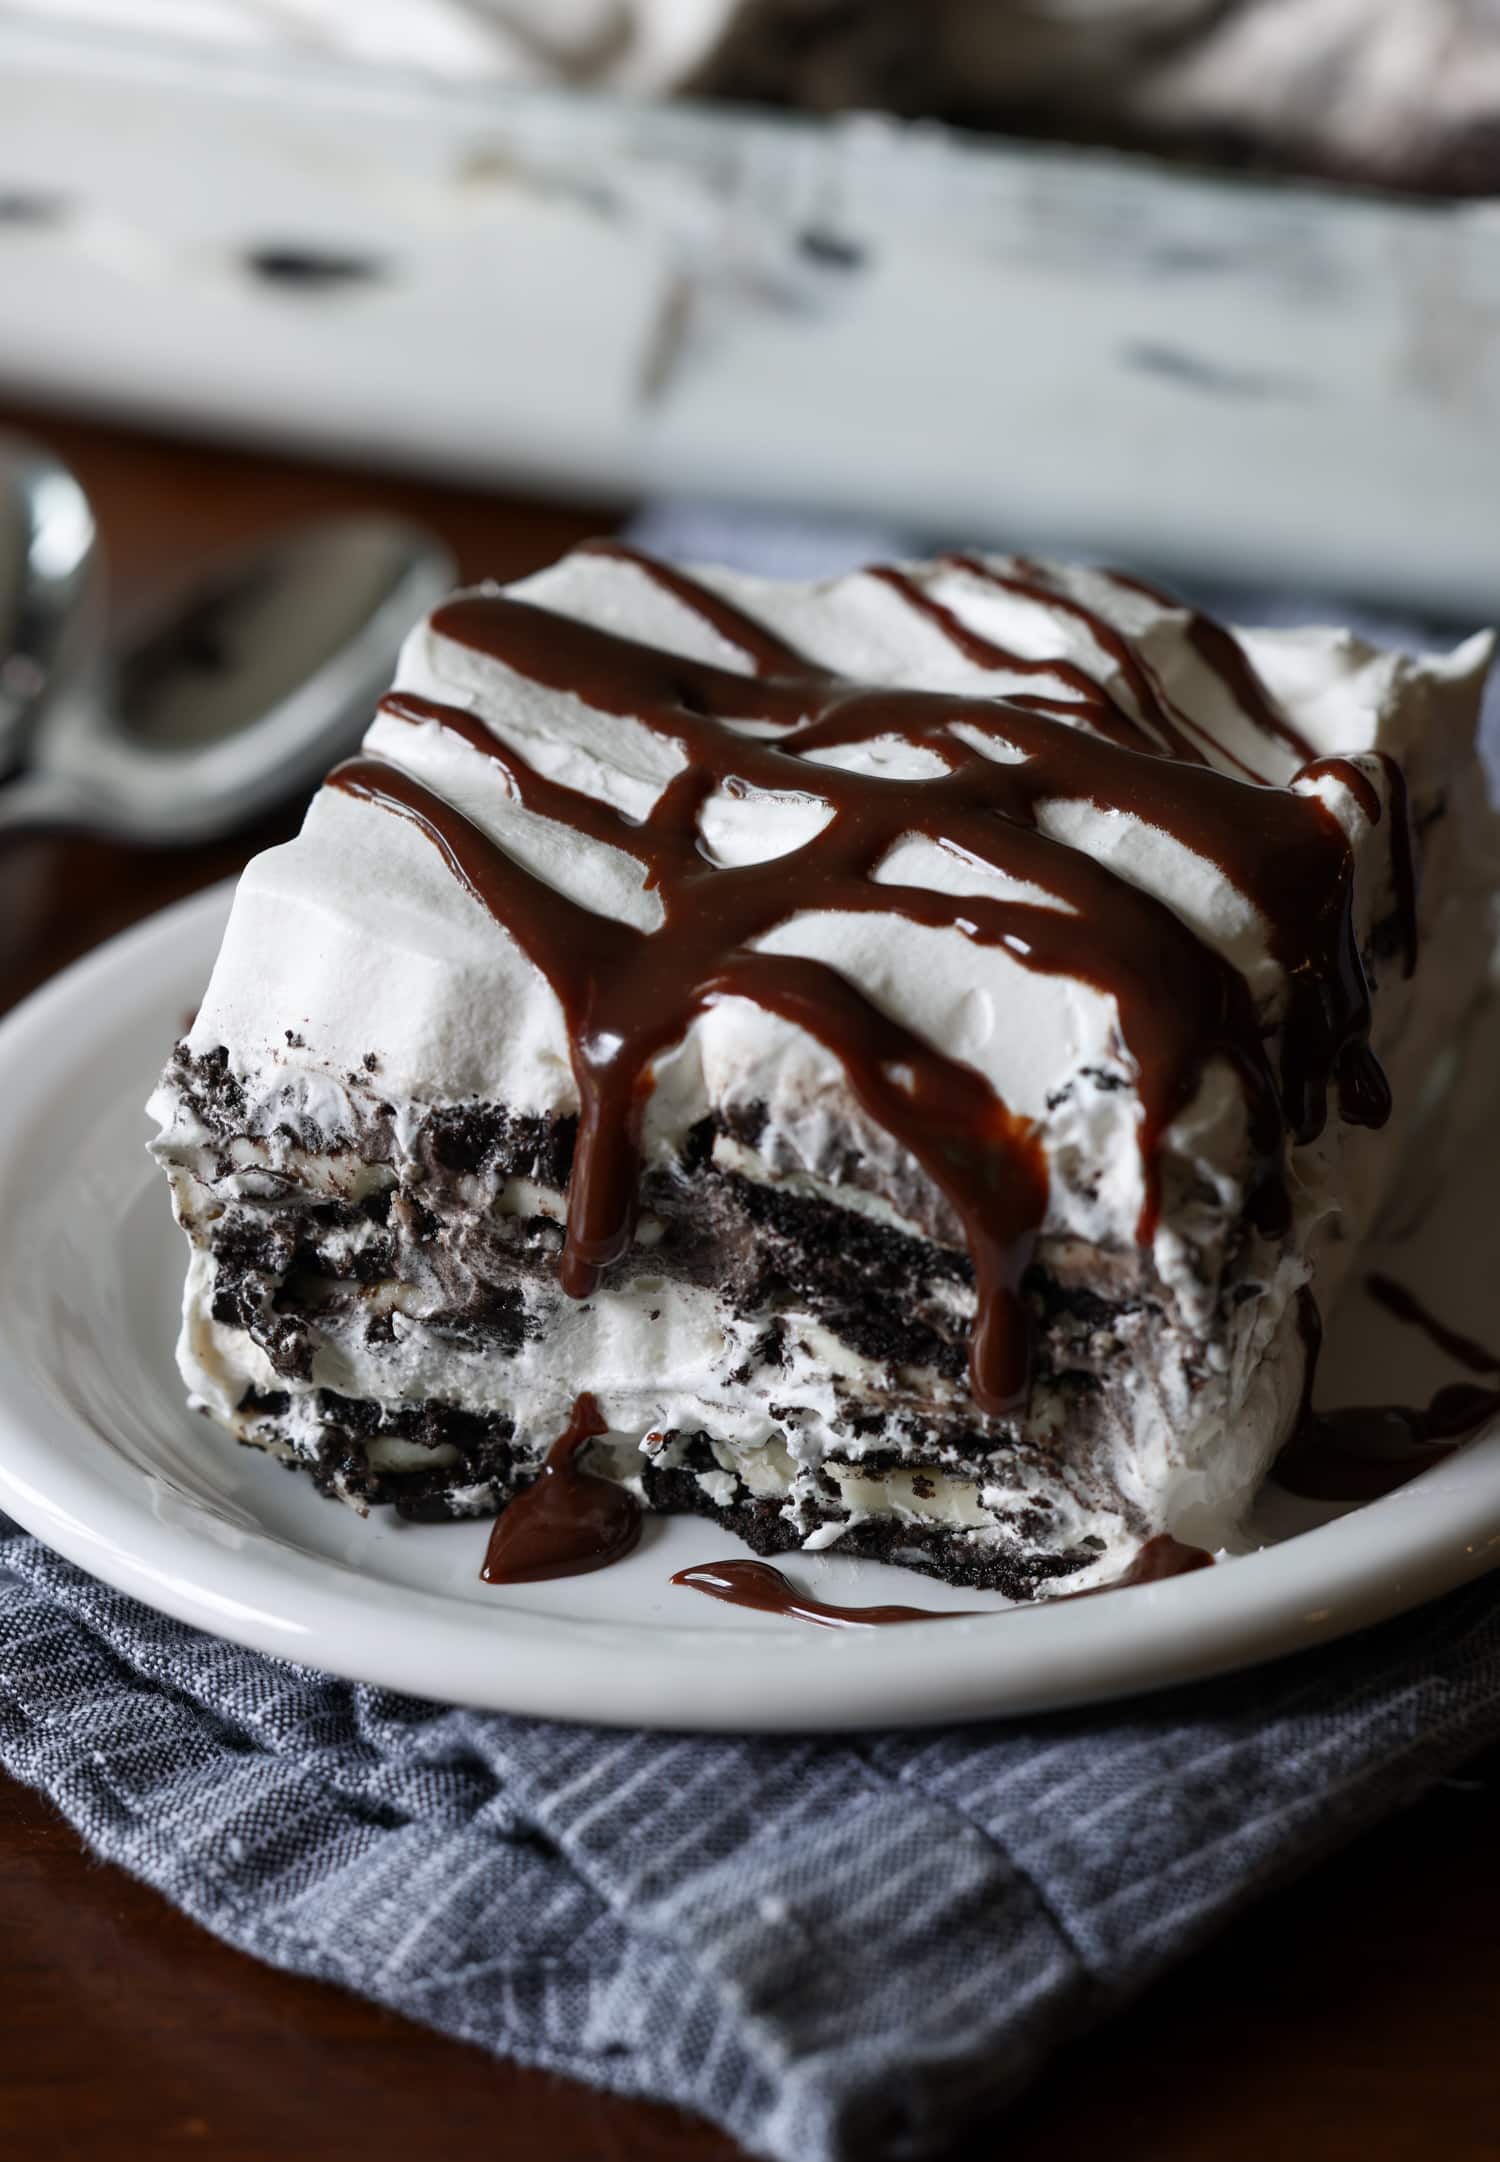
(1353, 2018)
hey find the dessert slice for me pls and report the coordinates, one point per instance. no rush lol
(901, 1046)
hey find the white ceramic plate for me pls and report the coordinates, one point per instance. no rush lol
(99, 1457)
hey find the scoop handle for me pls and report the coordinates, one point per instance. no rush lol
(35, 801)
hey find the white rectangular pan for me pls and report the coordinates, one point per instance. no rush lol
(982, 338)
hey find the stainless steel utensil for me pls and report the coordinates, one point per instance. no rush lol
(219, 705)
(49, 585)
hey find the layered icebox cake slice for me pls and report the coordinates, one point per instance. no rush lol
(903, 1045)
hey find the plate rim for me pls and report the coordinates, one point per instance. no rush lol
(1380, 1560)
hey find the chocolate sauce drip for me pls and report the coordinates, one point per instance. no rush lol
(1160, 1557)
(755, 1584)
(628, 995)
(1173, 730)
(568, 1521)
(1404, 882)
(1220, 651)
(1365, 1450)
(1092, 703)
(1359, 784)
(768, 654)
(1406, 1306)
(1403, 841)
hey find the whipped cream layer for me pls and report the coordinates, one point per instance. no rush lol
(358, 937)
(363, 991)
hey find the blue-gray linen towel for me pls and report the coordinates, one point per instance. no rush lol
(836, 1948)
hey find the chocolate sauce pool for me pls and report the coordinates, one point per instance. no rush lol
(569, 1521)
(755, 1584)
(1365, 1450)
(628, 995)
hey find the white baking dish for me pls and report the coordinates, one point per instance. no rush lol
(984, 338)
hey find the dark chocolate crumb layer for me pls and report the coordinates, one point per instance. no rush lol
(424, 1493)
(990, 1566)
(488, 1477)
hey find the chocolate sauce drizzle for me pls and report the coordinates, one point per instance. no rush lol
(628, 995)
(1160, 1557)
(1406, 1306)
(1403, 858)
(569, 1521)
(1365, 1450)
(755, 1584)
(1222, 654)
(1158, 724)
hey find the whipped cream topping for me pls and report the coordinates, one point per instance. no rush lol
(357, 937)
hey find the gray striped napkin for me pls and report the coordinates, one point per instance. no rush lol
(837, 1949)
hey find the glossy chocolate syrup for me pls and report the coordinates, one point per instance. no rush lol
(1403, 861)
(1403, 842)
(1365, 1450)
(1157, 724)
(629, 995)
(568, 1521)
(1221, 652)
(765, 1590)
(1406, 1306)
(1223, 655)
(755, 1584)
(1153, 729)
(1160, 1557)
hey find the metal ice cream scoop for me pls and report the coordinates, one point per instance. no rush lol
(49, 586)
(217, 705)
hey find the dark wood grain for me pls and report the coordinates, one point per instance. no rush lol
(1352, 2019)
